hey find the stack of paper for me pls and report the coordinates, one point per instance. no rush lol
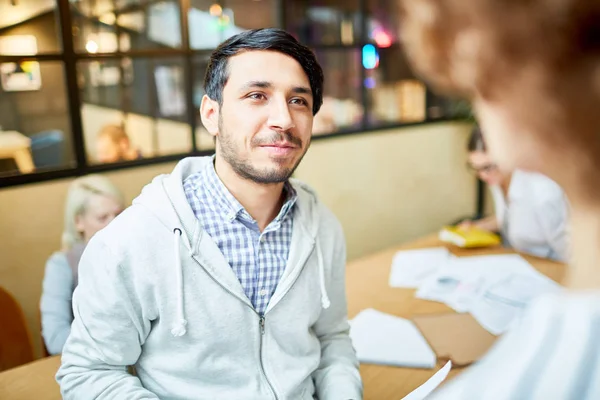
(411, 268)
(381, 338)
(504, 300)
(494, 289)
(462, 279)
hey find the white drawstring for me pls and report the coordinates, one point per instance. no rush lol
(179, 327)
(195, 238)
(324, 298)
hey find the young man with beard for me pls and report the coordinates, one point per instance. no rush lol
(225, 279)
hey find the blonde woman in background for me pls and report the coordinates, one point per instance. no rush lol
(92, 202)
(532, 71)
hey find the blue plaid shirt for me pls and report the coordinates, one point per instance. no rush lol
(258, 259)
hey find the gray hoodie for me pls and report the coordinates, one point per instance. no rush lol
(155, 292)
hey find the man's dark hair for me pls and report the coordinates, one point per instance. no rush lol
(476, 141)
(271, 39)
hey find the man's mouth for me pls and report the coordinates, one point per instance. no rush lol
(281, 145)
(279, 149)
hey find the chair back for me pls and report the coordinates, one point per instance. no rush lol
(15, 339)
(47, 149)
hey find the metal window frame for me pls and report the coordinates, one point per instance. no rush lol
(69, 57)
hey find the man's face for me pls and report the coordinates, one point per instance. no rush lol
(109, 151)
(264, 124)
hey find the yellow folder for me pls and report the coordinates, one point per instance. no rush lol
(469, 238)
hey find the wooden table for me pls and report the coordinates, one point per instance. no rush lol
(18, 147)
(368, 287)
(31, 381)
(367, 282)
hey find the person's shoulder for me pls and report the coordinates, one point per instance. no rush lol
(57, 265)
(555, 325)
(58, 262)
(135, 226)
(325, 214)
(542, 188)
(329, 219)
(58, 257)
(135, 218)
(560, 313)
(543, 353)
(117, 249)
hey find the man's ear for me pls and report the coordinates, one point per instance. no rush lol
(209, 113)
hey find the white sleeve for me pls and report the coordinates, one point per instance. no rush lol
(55, 304)
(553, 353)
(553, 217)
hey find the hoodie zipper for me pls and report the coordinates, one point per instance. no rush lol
(262, 368)
(261, 329)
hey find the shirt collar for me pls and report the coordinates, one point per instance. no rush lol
(230, 207)
(290, 201)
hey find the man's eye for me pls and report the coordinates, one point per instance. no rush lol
(300, 101)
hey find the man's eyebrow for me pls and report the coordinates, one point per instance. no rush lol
(256, 85)
(302, 90)
(268, 85)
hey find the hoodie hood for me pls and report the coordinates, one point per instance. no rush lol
(165, 199)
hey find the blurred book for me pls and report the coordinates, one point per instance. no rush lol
(469, 238)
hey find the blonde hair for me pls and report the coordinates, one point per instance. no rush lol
(80, 190)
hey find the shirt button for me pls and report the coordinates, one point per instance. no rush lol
(263, 292)
(263, 239)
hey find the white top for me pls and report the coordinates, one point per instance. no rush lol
(534, 217)
(552, 353)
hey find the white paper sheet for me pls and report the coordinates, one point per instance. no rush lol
(494, 289)
(381, 338)
(410, 268)
(432, 383)
(502, 302)
(460, 280)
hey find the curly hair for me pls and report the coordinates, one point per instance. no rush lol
(540, 58)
